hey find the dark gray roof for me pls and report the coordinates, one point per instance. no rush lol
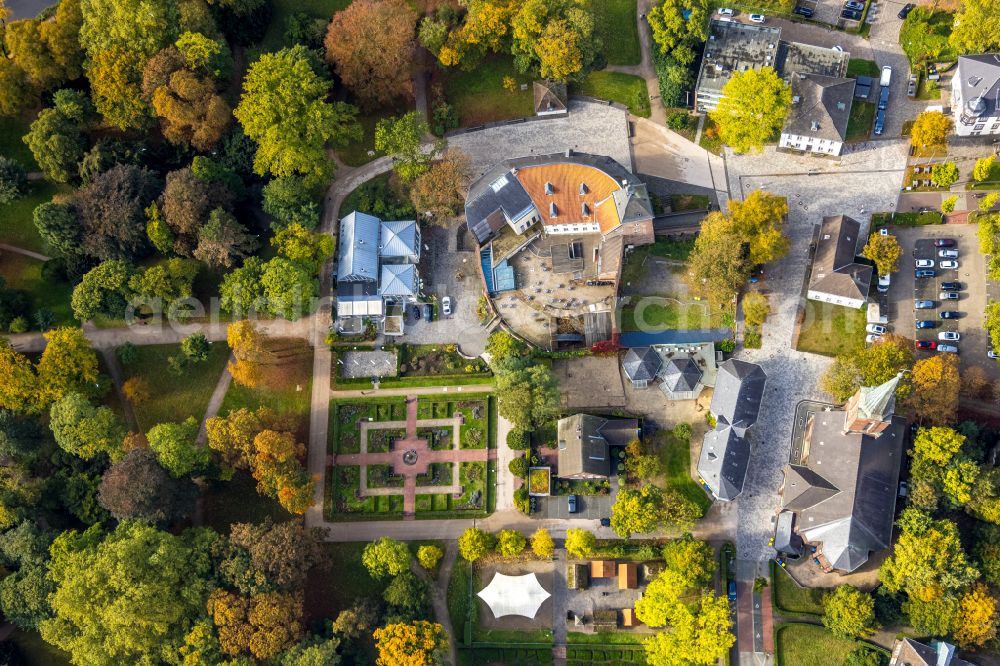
(909, 652)
(357, 257)
(786, 540)
(632, 203)
(864, 471)
(863, 86)
(641, 363)
(681, 374)
(583, 441)
(821, 107)
(835, 269)
(723, 462)
(739, 388)
(979, 76)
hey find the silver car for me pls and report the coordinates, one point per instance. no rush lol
(948, 348)
(949, 336)
(923, 305)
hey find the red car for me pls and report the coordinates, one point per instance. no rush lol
(925, 344)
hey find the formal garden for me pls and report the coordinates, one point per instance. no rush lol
(416, 365)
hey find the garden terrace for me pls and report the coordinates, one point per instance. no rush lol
(415, 365)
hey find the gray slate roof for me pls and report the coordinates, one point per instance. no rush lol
(583, 441)
(845, 493)
(642, 363)
(398, 280)
(915, 653)
(725, 451)
(400, 238)
(822, 109)
(357, 258)
(681, 374)
(835, 268)
(980, 81)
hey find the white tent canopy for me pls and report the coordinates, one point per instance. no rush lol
(514, 595)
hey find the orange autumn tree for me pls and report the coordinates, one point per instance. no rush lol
(417, 644)
(279, 474)
(262, 625)
(248, 348)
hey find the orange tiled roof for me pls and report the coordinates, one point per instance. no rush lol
(565, 178)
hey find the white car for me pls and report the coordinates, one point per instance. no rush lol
(756, 18)
(725, 11)
(948, 263)
(838, 49)
(446, 306)
(925, 263)
(871, 339)
(948, 254)
(949, 336)
(949, 296)
(883, 283)
(951, 349)
(876, 329)
(992, 354)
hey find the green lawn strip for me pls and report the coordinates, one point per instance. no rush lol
(652, 312)
(340, 383)
(237, 501)
(712, 144)
(790, 598)
(25, 273)
(859, 124)
(605, 638)
(625, 89)
(274, 38)
(12, 130)
(615, 23)
(831, 329)
(861, 67)
(798, 643)
(175, 397)
(17, 224)
(290, 398)
(685, 202)
(676, 455)
(460, 605)
(37, 652)
(505, 636)
(479, 97)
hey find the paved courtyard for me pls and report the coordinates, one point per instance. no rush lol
(590, 127)
(861, 181)
(368, 364)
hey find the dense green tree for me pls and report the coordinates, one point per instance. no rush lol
(137, 487)
(205, 55)
(13, 181)
(933, 617)
(84, 430)
(283, 552)
(57, 144)
(637, 511)
(223, 241)
(402, 138)
(129, 596)
(928, 558)
(945, 174)
(58, 226)
(386, 557)
(196, 347)
(175, 447)
(290, 201)
(241, 290)
(312, 652)
(555, 38)
(68, 364)
(977, 27)
(849, 613)
(678, 26)
(288, 287)
(163, 283)
(407, 597)
(306, 248)
(699, 637)
(103, 290)
(284, 109)
(21, 438)
(752, 109)
(24, 596)
(693, 560)
(863, 656)
(187, 201)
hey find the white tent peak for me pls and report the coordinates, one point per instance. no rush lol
(514, 595)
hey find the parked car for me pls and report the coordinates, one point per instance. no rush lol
(883, 283)
(879, 122)
(757, 18)
(571, 503)
(416, 312)
(925, 263)
(911, 87)
(428, 312)
(886, 76)
(923, 304)
(446, 306)
(605, 522)
(949, 314)
(803, 11)
(872, 338)
(883, 99)
(726, 11)
(992, 354)
(907, 8)
(951, 286)
(951, 349)
(877, 329)
(924, 273)
(949, 295)
(852, 4)
(904, 490)
(925, 344)
(838, 48)
(851, 15)
(926, 323)
(944, 242)
(948, 254)
(949, 336)
(948, 263)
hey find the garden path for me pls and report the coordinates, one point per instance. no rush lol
(645, 68)
(215, 402)
(20, 250)
(439, 594)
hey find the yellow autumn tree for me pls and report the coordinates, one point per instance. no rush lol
(976, 620)
(68, 364)
(416, 644)
(262, 625)
(279, 474)
(936, 385)
(19, 388)
(248, 348)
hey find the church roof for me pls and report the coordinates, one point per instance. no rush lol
(879, 402)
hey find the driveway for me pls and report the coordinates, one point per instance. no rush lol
(592, 507)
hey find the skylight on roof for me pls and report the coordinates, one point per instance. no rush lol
(500, 183)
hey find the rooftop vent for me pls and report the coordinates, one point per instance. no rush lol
(814, 126)
(549, 189)
(569, 152)
(583, 188)
(975, 80)
(585, 209)
(826, 236)
(553, 211)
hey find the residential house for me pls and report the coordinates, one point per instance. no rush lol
(682, 370)
(585, 441)
(837, 276)
(843, 488)
(725, 451)
(975, 95)
(628, 576)
(908, 652)
(641, 365)
(817, 120)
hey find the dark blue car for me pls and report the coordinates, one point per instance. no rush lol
(732, 590)
(926, 323)
(924, 273)
(879, 122)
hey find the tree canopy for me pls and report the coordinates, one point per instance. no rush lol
(849, 613)
(752, 109)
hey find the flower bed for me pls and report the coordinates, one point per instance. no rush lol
(381, 440)
(438, 474)
(540, 481)
(439, 438)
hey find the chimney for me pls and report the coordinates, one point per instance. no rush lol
(569, 152)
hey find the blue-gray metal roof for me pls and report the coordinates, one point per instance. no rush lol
(399, 238)
(357, 256)
(398, 280)
(739, 389)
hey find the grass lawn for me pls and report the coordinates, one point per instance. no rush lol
(859, 125)
(682, 202)
(676, 455)
(811, 644)
(606, 638)
(615, 21)
(17, 226)
(274, 38)
(860, 67)
(625, 89)
(790, 597)
(831, 329)
(25, 273)
(11, 145)
(664, 314)
(37, 652)
(710, 140)
(479, 96)
(175, 397)
(237, 501)
(458, 598)
(356, 154)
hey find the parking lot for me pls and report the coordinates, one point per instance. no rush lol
(587, 506)
(906, 289)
